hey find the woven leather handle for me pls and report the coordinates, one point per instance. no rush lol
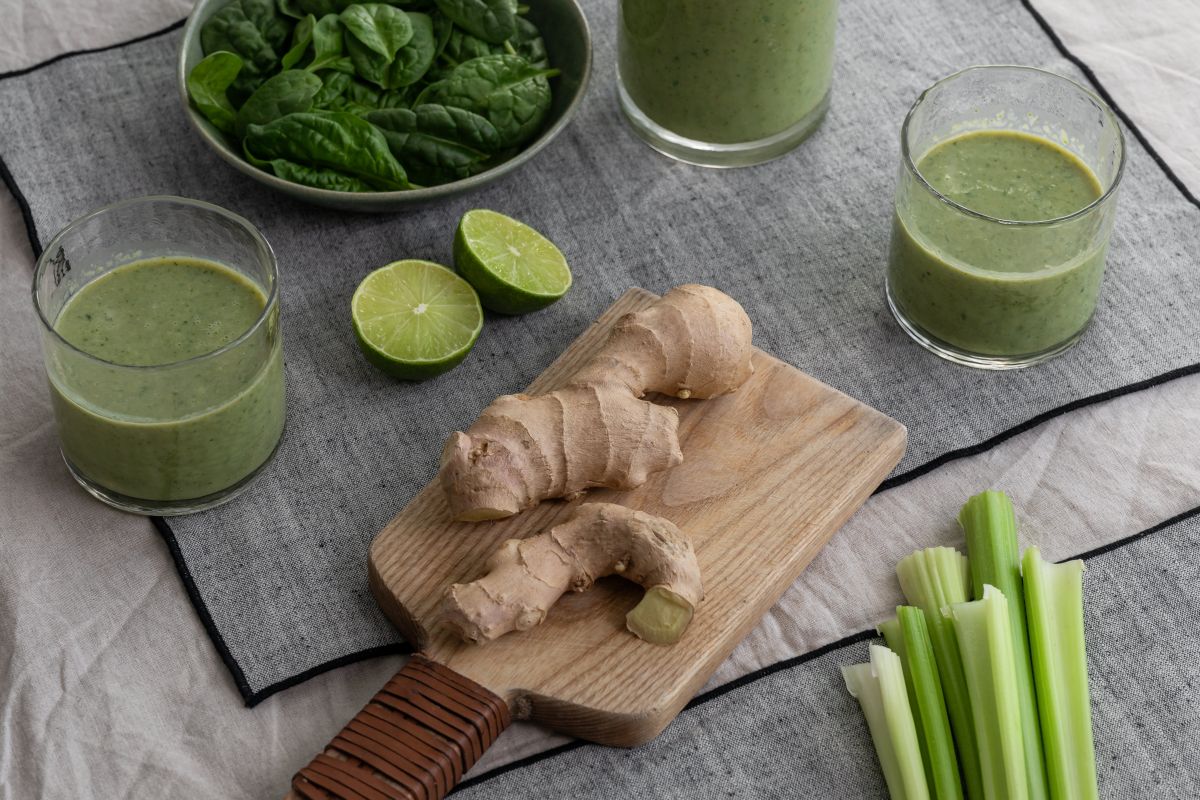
(413, 741)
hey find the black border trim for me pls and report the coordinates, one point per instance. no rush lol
(253, 698)
(16, 73)
(846, 641)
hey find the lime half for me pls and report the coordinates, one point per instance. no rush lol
(513, 267)
(415, 319)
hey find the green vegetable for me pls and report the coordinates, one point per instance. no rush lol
(374, 32)
(991, 529)
(415, 58)
(879, 688)
(934, 580)
(1054, 601)
(333, 86)
(207, 84)
(280, 95)
(332, 140)
(437, 143)
(908, 635)
(984, 631)
(301, 38)
(530, 45)
(317, 177)
(511, 93)
(493, 21)
(462, 103)
(253, 37)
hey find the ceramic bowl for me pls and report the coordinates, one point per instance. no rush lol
(568, 42)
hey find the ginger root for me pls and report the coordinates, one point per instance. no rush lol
(597, 431)
(525, 577)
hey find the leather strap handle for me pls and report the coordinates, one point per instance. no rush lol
(414, 740)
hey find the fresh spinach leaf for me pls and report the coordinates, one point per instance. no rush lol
(330, 140)
(530, 45)
(232, 30)
(415, 58)
(317, 177)
(275, 27)
(333, 86)
(437, 144)
(462, 47)
(286, 93)
(302, 37)
(379, 28)
(493, 21)
(510, 92)
(374, 34)
(207, 84)
(289, 8)
(442, 29)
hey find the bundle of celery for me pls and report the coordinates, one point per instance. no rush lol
(982, 690)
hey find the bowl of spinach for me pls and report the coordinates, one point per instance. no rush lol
(374, 106)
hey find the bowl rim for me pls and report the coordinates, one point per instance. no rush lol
(412, 196)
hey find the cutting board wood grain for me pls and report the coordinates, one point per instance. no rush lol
(770, 472)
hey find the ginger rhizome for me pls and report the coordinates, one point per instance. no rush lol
(597, 431)
(525, 577)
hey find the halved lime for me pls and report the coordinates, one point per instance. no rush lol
(513, 267)
(415, 319)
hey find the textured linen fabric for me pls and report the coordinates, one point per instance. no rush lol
(800, 242)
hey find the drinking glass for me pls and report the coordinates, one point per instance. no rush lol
(725, 84)
(169, 438)
(999, 293)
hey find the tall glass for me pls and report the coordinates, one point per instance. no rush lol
(986, 291)
(167, 438)
(721, 83)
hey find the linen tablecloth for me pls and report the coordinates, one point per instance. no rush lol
(111, 689)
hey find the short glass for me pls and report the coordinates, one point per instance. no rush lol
(725, 84)
(990, 292)
(169, 438)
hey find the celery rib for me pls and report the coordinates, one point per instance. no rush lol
(908, 635)
(879, 688)
(933, 580)
(990, 525)
(984, 631)
(1054, 602)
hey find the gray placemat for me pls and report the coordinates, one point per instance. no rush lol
(279, 576)
(797, 733)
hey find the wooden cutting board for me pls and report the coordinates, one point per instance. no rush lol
(769, 474)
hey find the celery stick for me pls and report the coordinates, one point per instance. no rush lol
(929, 706)
(879, 688)
(934, 579)
(1054, 600)
(991, 529)
(984, 631)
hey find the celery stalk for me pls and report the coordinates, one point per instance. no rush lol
(908, 635)
(933, 580)
(1054, 601)
(879, 688)
(991, 528)
(984, 630)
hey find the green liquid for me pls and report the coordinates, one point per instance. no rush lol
(168, 431)
(727, 72)
(988, 288)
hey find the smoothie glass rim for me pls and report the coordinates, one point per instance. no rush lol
(272, 298)
(1108, 193)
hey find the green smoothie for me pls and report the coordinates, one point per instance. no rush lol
(992, 288)
(727, 72)
(158, 417)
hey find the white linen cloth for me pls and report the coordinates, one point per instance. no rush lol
(109, 686)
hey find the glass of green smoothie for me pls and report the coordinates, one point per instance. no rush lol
(725, 84)
(1004, 208)
(160, 332)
